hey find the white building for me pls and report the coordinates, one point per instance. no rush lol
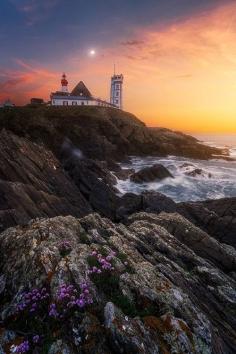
(117, 91)
(7, 104)
(79, 96)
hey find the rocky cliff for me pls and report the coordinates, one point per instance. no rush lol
(145, 275)
(100, 133)
(157, 285)
(47, 159)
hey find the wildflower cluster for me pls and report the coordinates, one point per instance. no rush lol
(68, 298)
(33, 300)
(38, 304)
(102, 262)
(24, 347)
(64, 247)
(36, 339)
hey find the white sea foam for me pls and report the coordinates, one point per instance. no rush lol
(217, 180)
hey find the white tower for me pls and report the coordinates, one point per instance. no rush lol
(117, 90)
(64, 84)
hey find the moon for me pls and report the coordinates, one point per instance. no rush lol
(92, 52)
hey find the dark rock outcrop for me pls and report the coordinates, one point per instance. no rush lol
(46, 166)
(149, 201)
(216, 217)
(100, 133)
(154, 202)
(171, 294)
(96, 184)
(128, 204)
(33, 183)
(150, 174)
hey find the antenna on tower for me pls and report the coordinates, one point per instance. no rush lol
(114, 68)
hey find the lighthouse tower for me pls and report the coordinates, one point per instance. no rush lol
(117, 90)
(64, 84)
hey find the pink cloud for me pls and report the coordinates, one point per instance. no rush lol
(182, 76)
(29, 80)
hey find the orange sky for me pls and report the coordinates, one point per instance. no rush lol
(182, 76)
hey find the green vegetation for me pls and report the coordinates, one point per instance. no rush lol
(84, 238)
(106, 277)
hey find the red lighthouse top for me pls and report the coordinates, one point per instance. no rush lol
(64, 82)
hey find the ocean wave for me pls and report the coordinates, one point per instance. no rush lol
(216, 180)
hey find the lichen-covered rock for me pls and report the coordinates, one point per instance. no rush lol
(128, 335)
(155, 291)
(59, 347)
(222, 255)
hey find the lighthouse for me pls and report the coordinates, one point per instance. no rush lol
(81, 96)
(117, 91)
(64, 84)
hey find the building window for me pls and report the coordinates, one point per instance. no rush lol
(82, 103)
(117, 101)
(117, 93)
(117, 87)
(65, 103)
(74, 103)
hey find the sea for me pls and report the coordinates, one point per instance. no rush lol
(217, 179)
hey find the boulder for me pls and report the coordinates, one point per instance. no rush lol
(150, 174)
(198, 172)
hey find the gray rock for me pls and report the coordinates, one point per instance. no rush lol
(174, 295)
(59, 347)
(150, 174)
(216, 217)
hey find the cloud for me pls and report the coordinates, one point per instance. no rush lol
(42, 72)
(30, 6)
(132, 43)
(181, 75)
(27, 81)
(11, 83)
(184, 73)
(203, 41)
(35, 11)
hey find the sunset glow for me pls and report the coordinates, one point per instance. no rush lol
(179, 74)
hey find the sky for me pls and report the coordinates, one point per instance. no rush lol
(178, 57)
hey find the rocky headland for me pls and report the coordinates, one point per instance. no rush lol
(83, 270)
